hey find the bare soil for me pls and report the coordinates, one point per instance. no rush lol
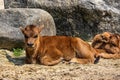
(13, 68)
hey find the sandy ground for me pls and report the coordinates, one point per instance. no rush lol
(12, 68)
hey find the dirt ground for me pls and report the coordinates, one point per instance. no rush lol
(12, 68)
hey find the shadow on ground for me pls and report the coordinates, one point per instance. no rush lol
(17, 60)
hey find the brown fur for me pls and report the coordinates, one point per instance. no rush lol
(115, 40)
(110, 47)
(100, 40)
(50, 50)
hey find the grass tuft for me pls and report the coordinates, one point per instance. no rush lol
(17, 51)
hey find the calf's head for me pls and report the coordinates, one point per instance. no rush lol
(106, 36)
(115, 40)
(31, 34)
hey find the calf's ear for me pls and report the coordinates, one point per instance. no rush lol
(41, 27)
(22, 29)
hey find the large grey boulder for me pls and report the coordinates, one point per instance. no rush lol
(12, 19)
(15, 3)
(83, 18)
(113, 3)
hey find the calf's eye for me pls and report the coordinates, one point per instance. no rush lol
(35, 36)
(26, 36)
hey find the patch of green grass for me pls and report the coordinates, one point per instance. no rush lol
(17, 51)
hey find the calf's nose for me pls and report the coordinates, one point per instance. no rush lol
(29, 44)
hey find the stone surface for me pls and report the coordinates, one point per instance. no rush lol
(12, 19)
(83, 18)
(113, 3)
(1, 4)
(15, 3)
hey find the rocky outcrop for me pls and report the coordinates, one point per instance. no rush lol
(113, 3)
(12, 19)
(15, 3)
(83, 18)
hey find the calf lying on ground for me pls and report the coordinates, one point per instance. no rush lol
(50, 50)
(108, 45)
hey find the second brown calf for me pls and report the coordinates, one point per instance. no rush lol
(50, 50)
(108, 45)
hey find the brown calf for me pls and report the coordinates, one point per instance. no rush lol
(107, 44)
(50, 50)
